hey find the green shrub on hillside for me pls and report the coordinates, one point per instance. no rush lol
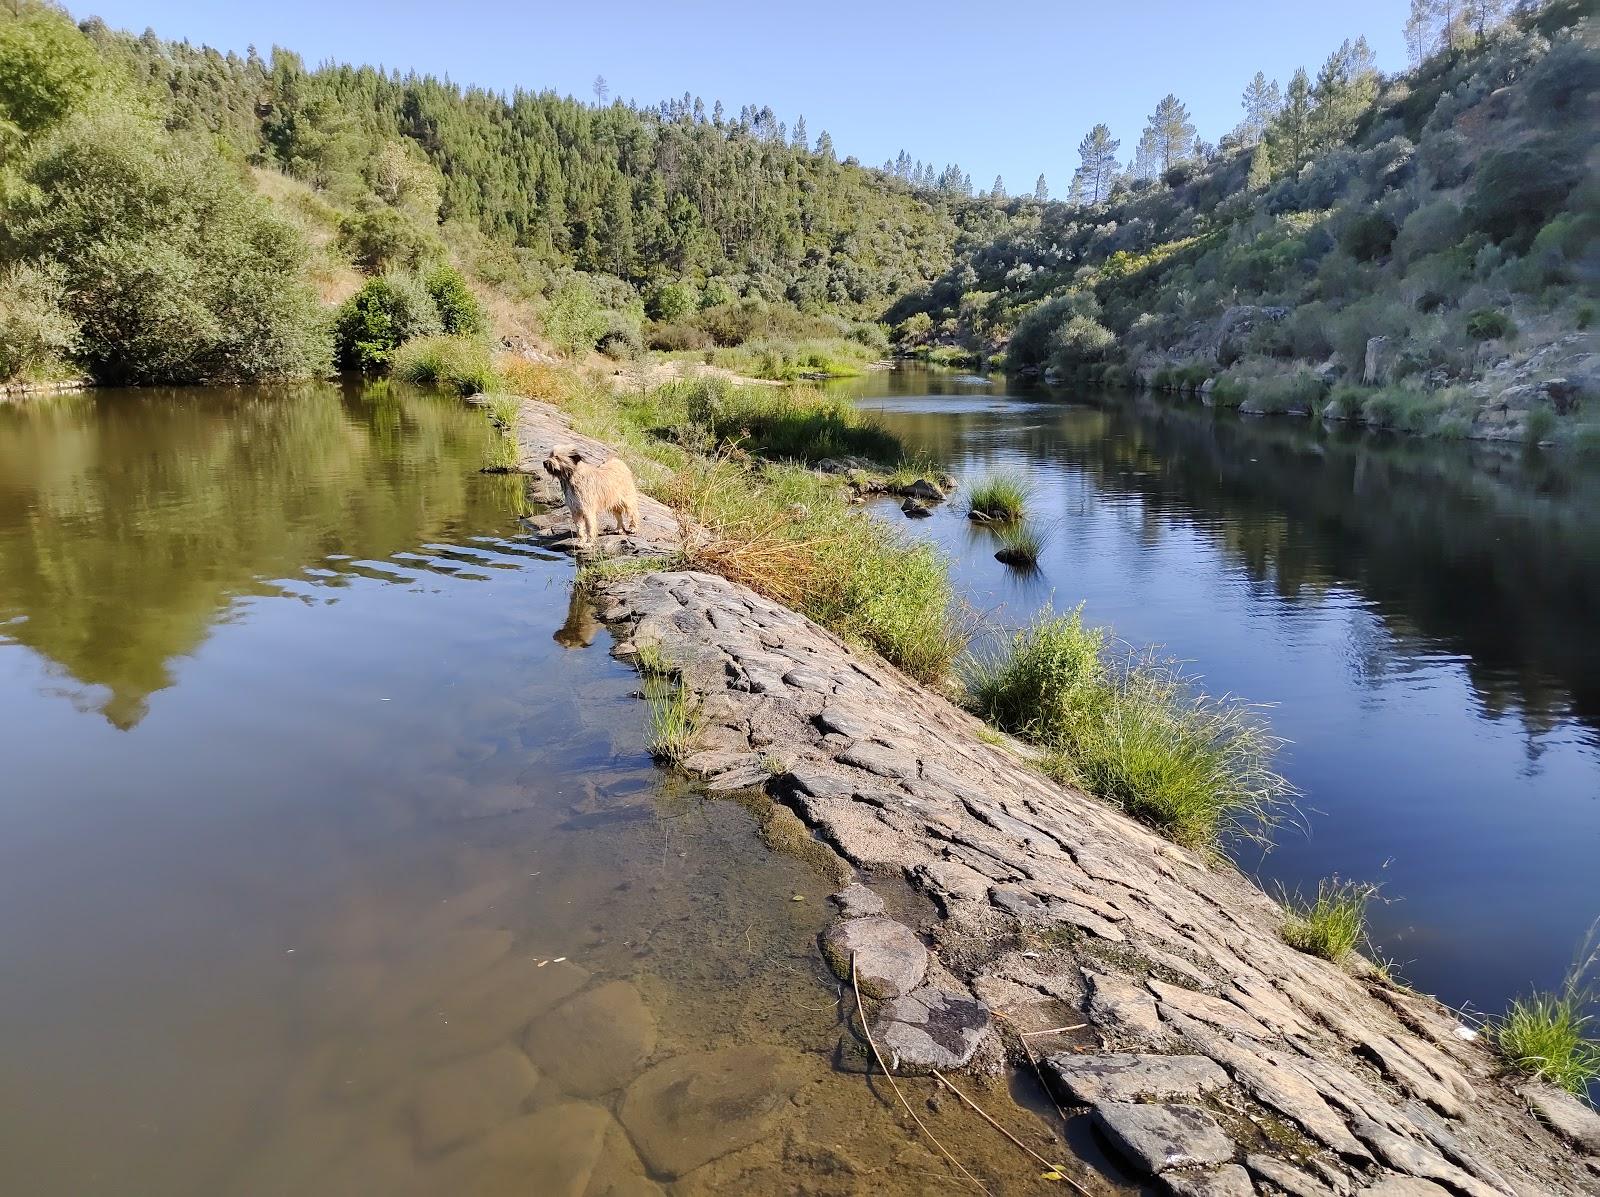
(1368, 236)
(387, 312)
(378, 237)
(460, 313)
(459, 365)
(1517, 190)
(1489, 324)
(173, 270)
(37, 336)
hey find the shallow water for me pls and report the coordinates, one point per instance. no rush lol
(1423, 617)
(311, 761)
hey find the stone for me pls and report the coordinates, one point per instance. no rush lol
(1019, 904)
(596, 1042)
(551, 1152)
(1378, 362)
(695, 1108)
(1566, 1114)
(1404, 1186)
(1291, 1180)
(1119, 1006)
(876, 759)
(1219, 1012)
(1407, 1155)
(856, 901)
(924, 490)
(915, 509)
(890, 960)
(1230, 1180)
(1124, 1076)
(463, 1100)
(1159, 1138)
(931, 1028)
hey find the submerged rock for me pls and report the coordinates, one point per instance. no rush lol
(890, 959)
(932, 1028)
(695, 1108)
(596, 1042)
(915, 509)
(1159, 1138)
(463, 1100)
(856, 901)
(552, 1153)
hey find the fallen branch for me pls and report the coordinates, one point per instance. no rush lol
(1053, 1170)
(867, 1030)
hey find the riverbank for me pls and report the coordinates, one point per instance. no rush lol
(1051, 910)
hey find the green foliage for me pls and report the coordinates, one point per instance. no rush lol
(1489, 324)
(1135, 732)
(1368, 236)
(674, 719)
(1330, 925)
(1517, 190)
(781, 425)
(37, 336)
(378, 238)
(575, 320)
(672, 301)
(460, 313)
(384, 314)
(48, 70)
(1551, 1038)
(1300, 392)
(1020, 544)
(173, 270)
(1538, 426)
(459, 365)
(1002, 495)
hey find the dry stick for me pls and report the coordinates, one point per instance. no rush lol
(1049, 1167)
(890, 1076)
(1043, 1084)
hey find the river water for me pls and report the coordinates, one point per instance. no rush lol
(332, 860)
(1424, 618)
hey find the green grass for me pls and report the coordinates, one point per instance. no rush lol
(673, 717)
(459, 365)
(782, 424)
(1135, 731)
(1002, 495)
(788, 361)
(1330, 925)
(1020, 544)
(1549, 1037)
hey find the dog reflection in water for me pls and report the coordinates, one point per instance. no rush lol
(581, 627)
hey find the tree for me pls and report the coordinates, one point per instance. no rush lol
(1260, 166)
(1146, 162)
(1291, 133)
(1171, 132)
(1261, 101)
(825, 146)
(999, 189)
(1040, 191)
(1097, 163)
(801, 141)
(47, 70)
(601, 89)
(1435, 25)
(1346, 85)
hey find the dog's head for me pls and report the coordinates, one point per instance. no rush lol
(563, 460)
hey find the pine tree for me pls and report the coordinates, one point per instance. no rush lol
(1171, 132)
(825, 146)
(1040, 191)
(601, 89)
(1346, 85)
(999, 189)
(1260, 165)
(1291, 132)
(801, 140)
(716, 114)
(1097, 162)
(1260, 102)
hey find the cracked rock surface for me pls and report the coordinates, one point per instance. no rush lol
(1062, 912)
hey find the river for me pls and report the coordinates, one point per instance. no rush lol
(1420, 616)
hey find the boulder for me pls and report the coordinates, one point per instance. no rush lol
(924, 490)
(890, 959)
(915, 509)
(596, 1042)
(931, 1028)
(695, 1108)
(1230, 1180)
(1159, 1138)
(1379, 362)
(461, 1101)
(1570, 1118)
(856, 901)
(552, 1152)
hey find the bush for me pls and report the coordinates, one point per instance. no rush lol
(672, 301)
(1035, 338)
(1346, 402)
(171, 268)
(1300, 393)
(1518, 190)
(37, 336)
(460, 313)
(1078, 341)
(575, 319)
(1368, 236)
(677, 336)
(387, 312)
(792, 425)
(621, 340)
(378, 237)
(459, 365)
(1000, 496)
(1489, 324)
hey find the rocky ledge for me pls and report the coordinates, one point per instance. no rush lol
(1153, 988)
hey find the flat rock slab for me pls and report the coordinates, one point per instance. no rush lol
(856, 901)
(1291, 1180)
(1404, 1186)
(1230, 1180)
(1569, 1116)
(595, 1042)
(1124, 1076)
(1120, 1007)
(890, 959)
(1159, 1138)
(463, 1100)
(932, 1028)
(552, 1152)
(695, 1108)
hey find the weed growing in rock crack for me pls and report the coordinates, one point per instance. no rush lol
(1330, 925)
(1552, 1036)
(1000, 496)
(1135, 731)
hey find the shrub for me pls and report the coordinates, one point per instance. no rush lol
(1299, 392)
(1001, 496)
(677, 336)
(671, 301)
(575, 320)
(1346, 402)
(37, 336)
(1517, 190)
(384, 314)
(621, 340)
(1330, 925)
(1538, 426)
(460, 313)
(1368, 236)
(798, 425)
(378, 237)
(459, 365)
(914, 328)
(1034, 340)
(1136, 733)
(1489, 324)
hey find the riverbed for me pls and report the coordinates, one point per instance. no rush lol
(1420, 618)
(332, 860)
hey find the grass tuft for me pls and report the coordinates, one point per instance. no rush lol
(1332, 924)
(1020, 545)
(673, 717)
(1549, 1037)
(1136, 731)
(459, 365)
(1000, 496)
(781, 423)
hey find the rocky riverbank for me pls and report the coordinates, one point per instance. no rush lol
(992, 904)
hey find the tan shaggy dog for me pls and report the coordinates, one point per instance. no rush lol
(592, 490)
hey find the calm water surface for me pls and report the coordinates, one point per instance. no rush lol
(1425, 618)
(308, 769)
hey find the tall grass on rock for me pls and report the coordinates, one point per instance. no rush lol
(1553, 1036)
(782, 424)
(1136, 731)
(1002, 495)
(458, 365)
(1331, 924)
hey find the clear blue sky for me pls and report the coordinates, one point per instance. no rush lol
(1005, 88)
